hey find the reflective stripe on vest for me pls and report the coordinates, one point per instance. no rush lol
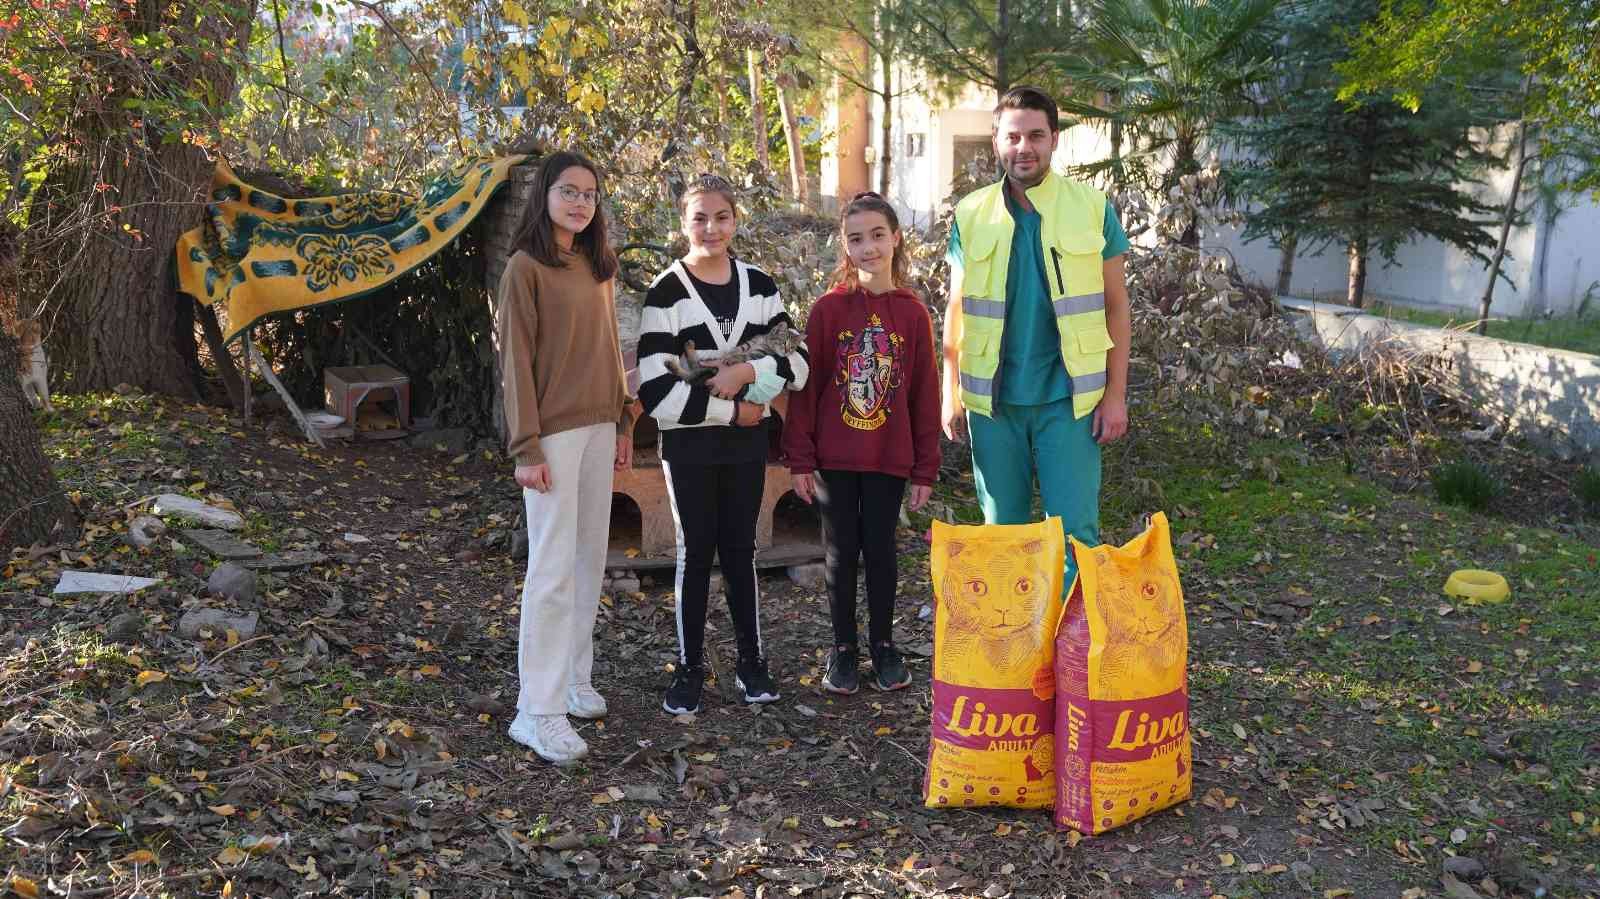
(1072, 217)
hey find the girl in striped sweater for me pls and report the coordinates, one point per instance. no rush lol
(714, 439)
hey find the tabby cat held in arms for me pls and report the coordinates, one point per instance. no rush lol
(780, 341)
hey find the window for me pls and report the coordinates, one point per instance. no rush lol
(974, 157)
(915, 143)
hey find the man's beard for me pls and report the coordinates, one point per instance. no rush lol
(1039, 172)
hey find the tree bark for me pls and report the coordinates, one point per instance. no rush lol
(886, 128)
(109, 295)
(1356, 287)
(1286, 264)
(31, 504)
(1002, 61)
(758, 112)
(798, 187)
(1510, 214)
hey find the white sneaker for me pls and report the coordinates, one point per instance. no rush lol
(584, 702)
(550, 736)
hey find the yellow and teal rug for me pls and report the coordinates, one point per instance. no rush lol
(259, 253)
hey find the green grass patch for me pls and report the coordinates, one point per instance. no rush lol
(1579, 333)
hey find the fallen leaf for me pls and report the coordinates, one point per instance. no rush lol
(146, 678)
(1238, 731)
(139, 857)
(230, 855)
(1474, 666)
(22, 886)
(326, 737)
(1226, 859)
(225, 811)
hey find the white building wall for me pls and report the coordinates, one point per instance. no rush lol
(1432, 274)
(1572, 261)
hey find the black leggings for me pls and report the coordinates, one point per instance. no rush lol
(715, 509)
(859, 513)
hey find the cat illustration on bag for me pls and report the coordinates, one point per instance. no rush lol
(992, 618)
(778, 342)
(1146, 637)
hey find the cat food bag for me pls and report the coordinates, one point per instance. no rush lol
(1122, 699)
(998, 597)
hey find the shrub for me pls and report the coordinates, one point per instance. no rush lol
(1464, 483)
(1589, 489)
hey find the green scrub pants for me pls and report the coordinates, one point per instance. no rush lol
(1022, 443)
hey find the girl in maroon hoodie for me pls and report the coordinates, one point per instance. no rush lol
(866, 422)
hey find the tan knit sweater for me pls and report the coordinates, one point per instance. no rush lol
(560, 360)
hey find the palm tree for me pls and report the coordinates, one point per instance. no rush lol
(1164, 73)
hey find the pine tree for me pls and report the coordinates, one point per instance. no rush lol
(1368, 177)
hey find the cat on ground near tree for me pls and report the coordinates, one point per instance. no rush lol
(778, 342)
(33, 367)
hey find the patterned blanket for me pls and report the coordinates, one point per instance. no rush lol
(258, 253)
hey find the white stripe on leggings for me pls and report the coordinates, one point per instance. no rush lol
(677, 579)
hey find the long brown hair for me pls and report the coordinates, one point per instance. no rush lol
(845, 275)
(536, 235)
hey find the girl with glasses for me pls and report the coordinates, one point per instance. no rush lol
(714, 439)
(570, 426)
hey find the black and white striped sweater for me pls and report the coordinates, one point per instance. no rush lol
(674, 314)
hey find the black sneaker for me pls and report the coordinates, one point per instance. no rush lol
(842, 664)
(683, 697)
(753, 679)
(888, 670)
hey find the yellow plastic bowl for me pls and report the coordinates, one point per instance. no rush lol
(1474, 586)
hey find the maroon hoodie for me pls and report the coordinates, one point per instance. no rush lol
(872, 401)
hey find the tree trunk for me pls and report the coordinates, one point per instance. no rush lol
(113, 307)
(1356, 288)
(1002, 60)
(1114, 104)
(31, 505)
(1506, 219)
(886, 129)
(758, 112)
(798, 188)
(110, 300)
(1286, 264)
(1183, 163)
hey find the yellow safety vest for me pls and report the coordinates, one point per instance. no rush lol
(1072, 216)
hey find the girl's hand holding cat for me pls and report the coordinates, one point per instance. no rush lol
(624, 452)
(534, 477)
(747, 415)
(915, 499)
(804, 487)
(730, 379)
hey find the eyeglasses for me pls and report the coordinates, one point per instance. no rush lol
(572, 194)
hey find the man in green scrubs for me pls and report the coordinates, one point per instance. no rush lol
(1037, 329)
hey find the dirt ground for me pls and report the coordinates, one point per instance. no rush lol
(1354, 730)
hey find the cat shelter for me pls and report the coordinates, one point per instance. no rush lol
(642, 533)
(276, 265)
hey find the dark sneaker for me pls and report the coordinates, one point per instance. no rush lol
(842, 664)
(757, 684)
(683, 697)
(888, 670)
